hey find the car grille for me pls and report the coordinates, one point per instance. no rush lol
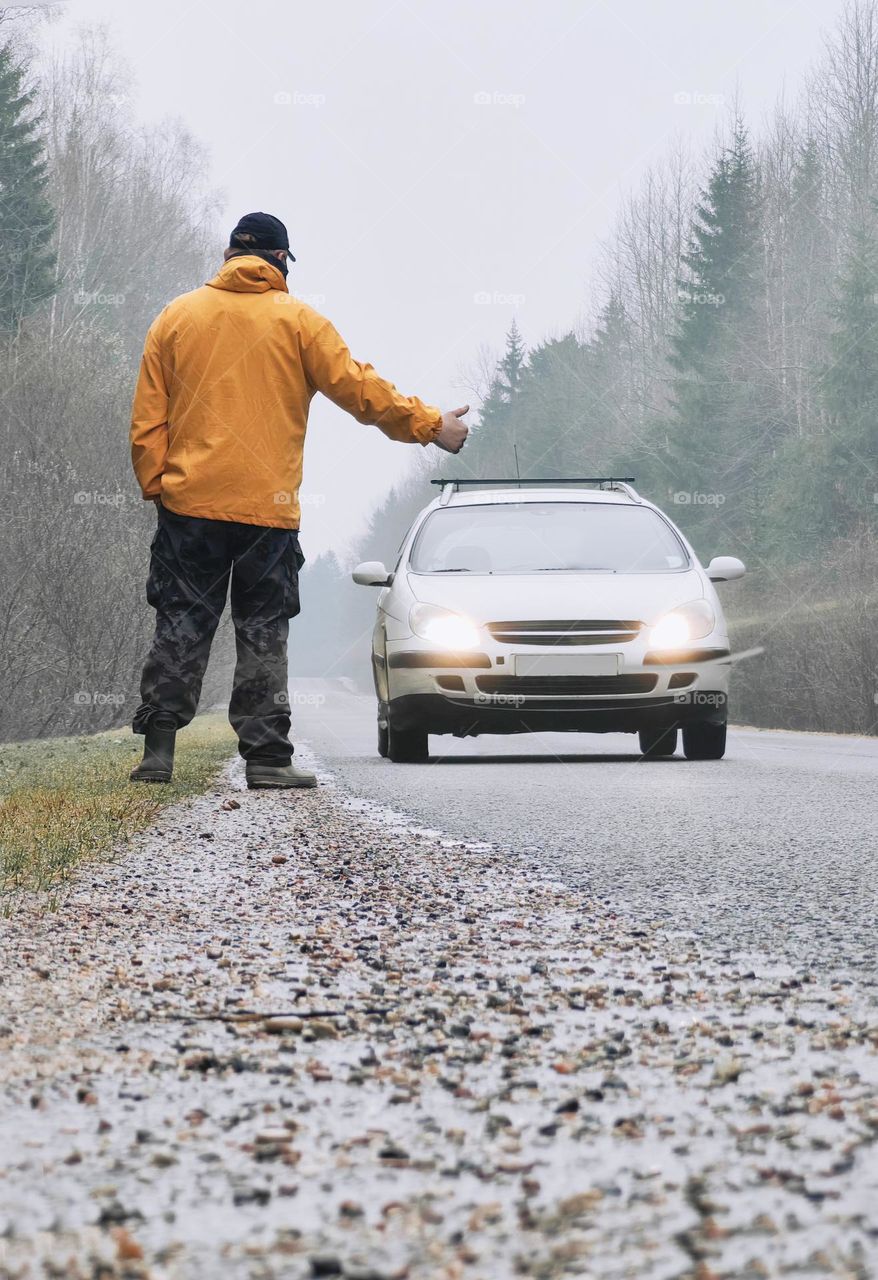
(565, 632)
(560, 686)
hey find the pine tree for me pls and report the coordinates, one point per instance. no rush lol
(722, 257)
(607, 445)
(808, 282)
(850, 387)
(720, 426)
(805, 508)
(497, 435)
(550, 414)
(512, 363)
(27, 220)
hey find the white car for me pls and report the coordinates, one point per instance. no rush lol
(522, 606)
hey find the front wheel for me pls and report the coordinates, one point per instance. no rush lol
(407, 746)
(704, 741)
(657, 742)
(402, 746)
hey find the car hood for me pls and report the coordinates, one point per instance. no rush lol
(535, 597)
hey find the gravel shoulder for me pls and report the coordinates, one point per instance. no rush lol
(277, 1037)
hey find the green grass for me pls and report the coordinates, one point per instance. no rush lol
(63, 800)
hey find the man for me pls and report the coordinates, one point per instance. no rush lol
(218, 425)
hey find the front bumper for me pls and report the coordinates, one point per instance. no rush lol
(474, 693)
(440, 714)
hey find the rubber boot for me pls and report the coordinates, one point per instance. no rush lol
(282, 777)
(157, 764)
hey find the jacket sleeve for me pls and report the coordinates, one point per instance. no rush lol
(149, 416)
(360, 391)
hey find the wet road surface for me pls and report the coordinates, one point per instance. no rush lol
(774, 849)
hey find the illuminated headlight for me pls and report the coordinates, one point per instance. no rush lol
(690, 622)
(443, 628)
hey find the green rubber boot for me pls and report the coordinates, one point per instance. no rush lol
(282, 777)
(157, 764)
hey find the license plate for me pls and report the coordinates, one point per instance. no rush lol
(562, 664)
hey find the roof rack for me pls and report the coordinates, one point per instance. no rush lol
(620, 484)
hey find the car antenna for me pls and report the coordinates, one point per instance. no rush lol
(517, 468)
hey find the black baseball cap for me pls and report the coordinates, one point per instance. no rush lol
(263, 231)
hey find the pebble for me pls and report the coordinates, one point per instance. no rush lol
(282, 1026)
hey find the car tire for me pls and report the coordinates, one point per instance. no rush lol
(407, 746)
(383, 741)
(657, 742)
(704, 741)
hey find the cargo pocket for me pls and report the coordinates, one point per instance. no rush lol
(157, 570)
(162, 585)
(293, 561)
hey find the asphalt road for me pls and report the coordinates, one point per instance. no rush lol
(772, 850)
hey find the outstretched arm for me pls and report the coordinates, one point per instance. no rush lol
(371, 399)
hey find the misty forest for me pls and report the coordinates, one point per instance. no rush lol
(726, 356)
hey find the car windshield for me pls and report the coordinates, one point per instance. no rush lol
(547, 537)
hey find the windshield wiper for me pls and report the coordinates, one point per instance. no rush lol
(451, 570)
(577, 568)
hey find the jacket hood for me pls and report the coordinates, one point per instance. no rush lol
(248, 274)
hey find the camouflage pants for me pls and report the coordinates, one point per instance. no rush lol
(192, 563)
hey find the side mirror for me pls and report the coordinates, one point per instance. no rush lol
(371, 573)
(725, 569)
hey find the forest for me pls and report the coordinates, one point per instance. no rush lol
(729, 362)
(101, 223)
(726, 356)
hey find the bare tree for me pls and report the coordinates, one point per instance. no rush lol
(134, 228)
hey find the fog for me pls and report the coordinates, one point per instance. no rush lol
(639, 239)
(442, 167)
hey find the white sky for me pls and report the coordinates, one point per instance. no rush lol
(406, 196)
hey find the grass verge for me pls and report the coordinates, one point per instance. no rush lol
(66, 799)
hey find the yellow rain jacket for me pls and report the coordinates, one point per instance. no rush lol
(228, 374)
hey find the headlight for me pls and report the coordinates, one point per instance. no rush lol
(689, 622)
(443, 628)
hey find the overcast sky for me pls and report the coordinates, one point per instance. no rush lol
(443, 165)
